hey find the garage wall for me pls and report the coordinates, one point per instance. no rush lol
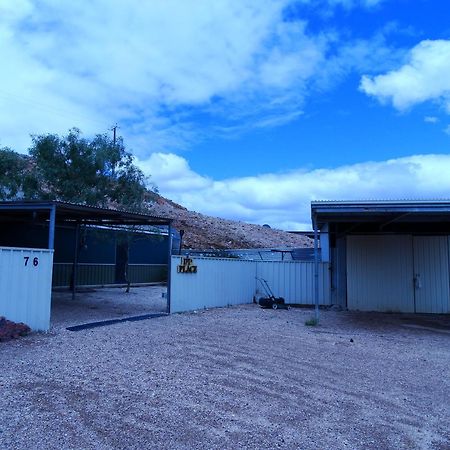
(25, 286)
(398, 273)
(431, 274)
(380, 273)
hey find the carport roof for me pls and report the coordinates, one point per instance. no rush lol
(74, 213)
(377, 211)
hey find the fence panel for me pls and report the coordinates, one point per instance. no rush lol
(147, 273)
(294, 281)
(221, 282)
(25, 286)
(217, 282)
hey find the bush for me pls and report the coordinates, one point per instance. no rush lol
(311, 322)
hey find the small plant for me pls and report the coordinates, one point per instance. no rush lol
(311, 322)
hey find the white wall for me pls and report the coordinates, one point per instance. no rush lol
(222, 282)
(25, 286)
(218, 282)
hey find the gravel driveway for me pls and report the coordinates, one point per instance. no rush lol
(230, 378)
(91, 305)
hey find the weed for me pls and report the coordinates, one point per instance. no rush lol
(311, 322)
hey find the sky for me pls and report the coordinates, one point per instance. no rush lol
(242, 109)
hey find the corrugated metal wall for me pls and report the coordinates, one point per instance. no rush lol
(221, 282)
(87, 274)
(294, 281)
(398, 273)
(25, 286)
(431, 274)
(379, 273)
(218, 282)
(147, 273)
(104, 274)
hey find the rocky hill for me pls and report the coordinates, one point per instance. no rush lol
(203, 232)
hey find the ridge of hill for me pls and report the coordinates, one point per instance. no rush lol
(202, 232)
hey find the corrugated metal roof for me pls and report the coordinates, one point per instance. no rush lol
(328, 211)
(385, 202)
(74, 211)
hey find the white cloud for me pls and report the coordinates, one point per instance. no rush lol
(360, 55)
(447, 130)
(353, 3)
(347, 4)
(282, 200)
(431, 119)
(173, 172)
(92, 63)
(424, 77)
(154, 66)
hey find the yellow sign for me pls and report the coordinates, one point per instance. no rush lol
(186, 266)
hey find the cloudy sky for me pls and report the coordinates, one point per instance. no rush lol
(244, 109)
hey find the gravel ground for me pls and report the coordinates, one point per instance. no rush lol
(93, 305)
(239, 377)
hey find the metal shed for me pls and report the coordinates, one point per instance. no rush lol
(49, 214)
(390, 256)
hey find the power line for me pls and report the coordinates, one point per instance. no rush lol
(48, 108)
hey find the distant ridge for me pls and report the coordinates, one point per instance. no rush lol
(203, 232)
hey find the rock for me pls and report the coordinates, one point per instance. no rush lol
(11, 330)
(206, 232)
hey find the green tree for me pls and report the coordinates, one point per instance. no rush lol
(95, 172)
(16, 175)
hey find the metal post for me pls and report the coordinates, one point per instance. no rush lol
(316, 270)
(51, 228)
(75, 261)
(169, 264)
(181, 240)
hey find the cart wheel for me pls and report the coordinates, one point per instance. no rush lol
(274, 306)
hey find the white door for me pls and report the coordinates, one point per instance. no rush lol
(431, 274)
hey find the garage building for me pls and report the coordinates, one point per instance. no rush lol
(390, 256)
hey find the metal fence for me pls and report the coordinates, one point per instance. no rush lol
(222, 282)
(294, 281)
(105, 274)
(25, 286)
(217, 282)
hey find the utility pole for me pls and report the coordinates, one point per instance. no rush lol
(113, 129)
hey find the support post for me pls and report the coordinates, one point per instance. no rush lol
(169, 264)
(316, 270)
(51, 228)
(75, 260)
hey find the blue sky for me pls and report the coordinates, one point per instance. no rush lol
(245, 109)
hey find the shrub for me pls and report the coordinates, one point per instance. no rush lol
(311, 322)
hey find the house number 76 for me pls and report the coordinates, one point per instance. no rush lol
(35, 260)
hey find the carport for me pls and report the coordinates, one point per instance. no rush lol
(51, 214)
(390, 256)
